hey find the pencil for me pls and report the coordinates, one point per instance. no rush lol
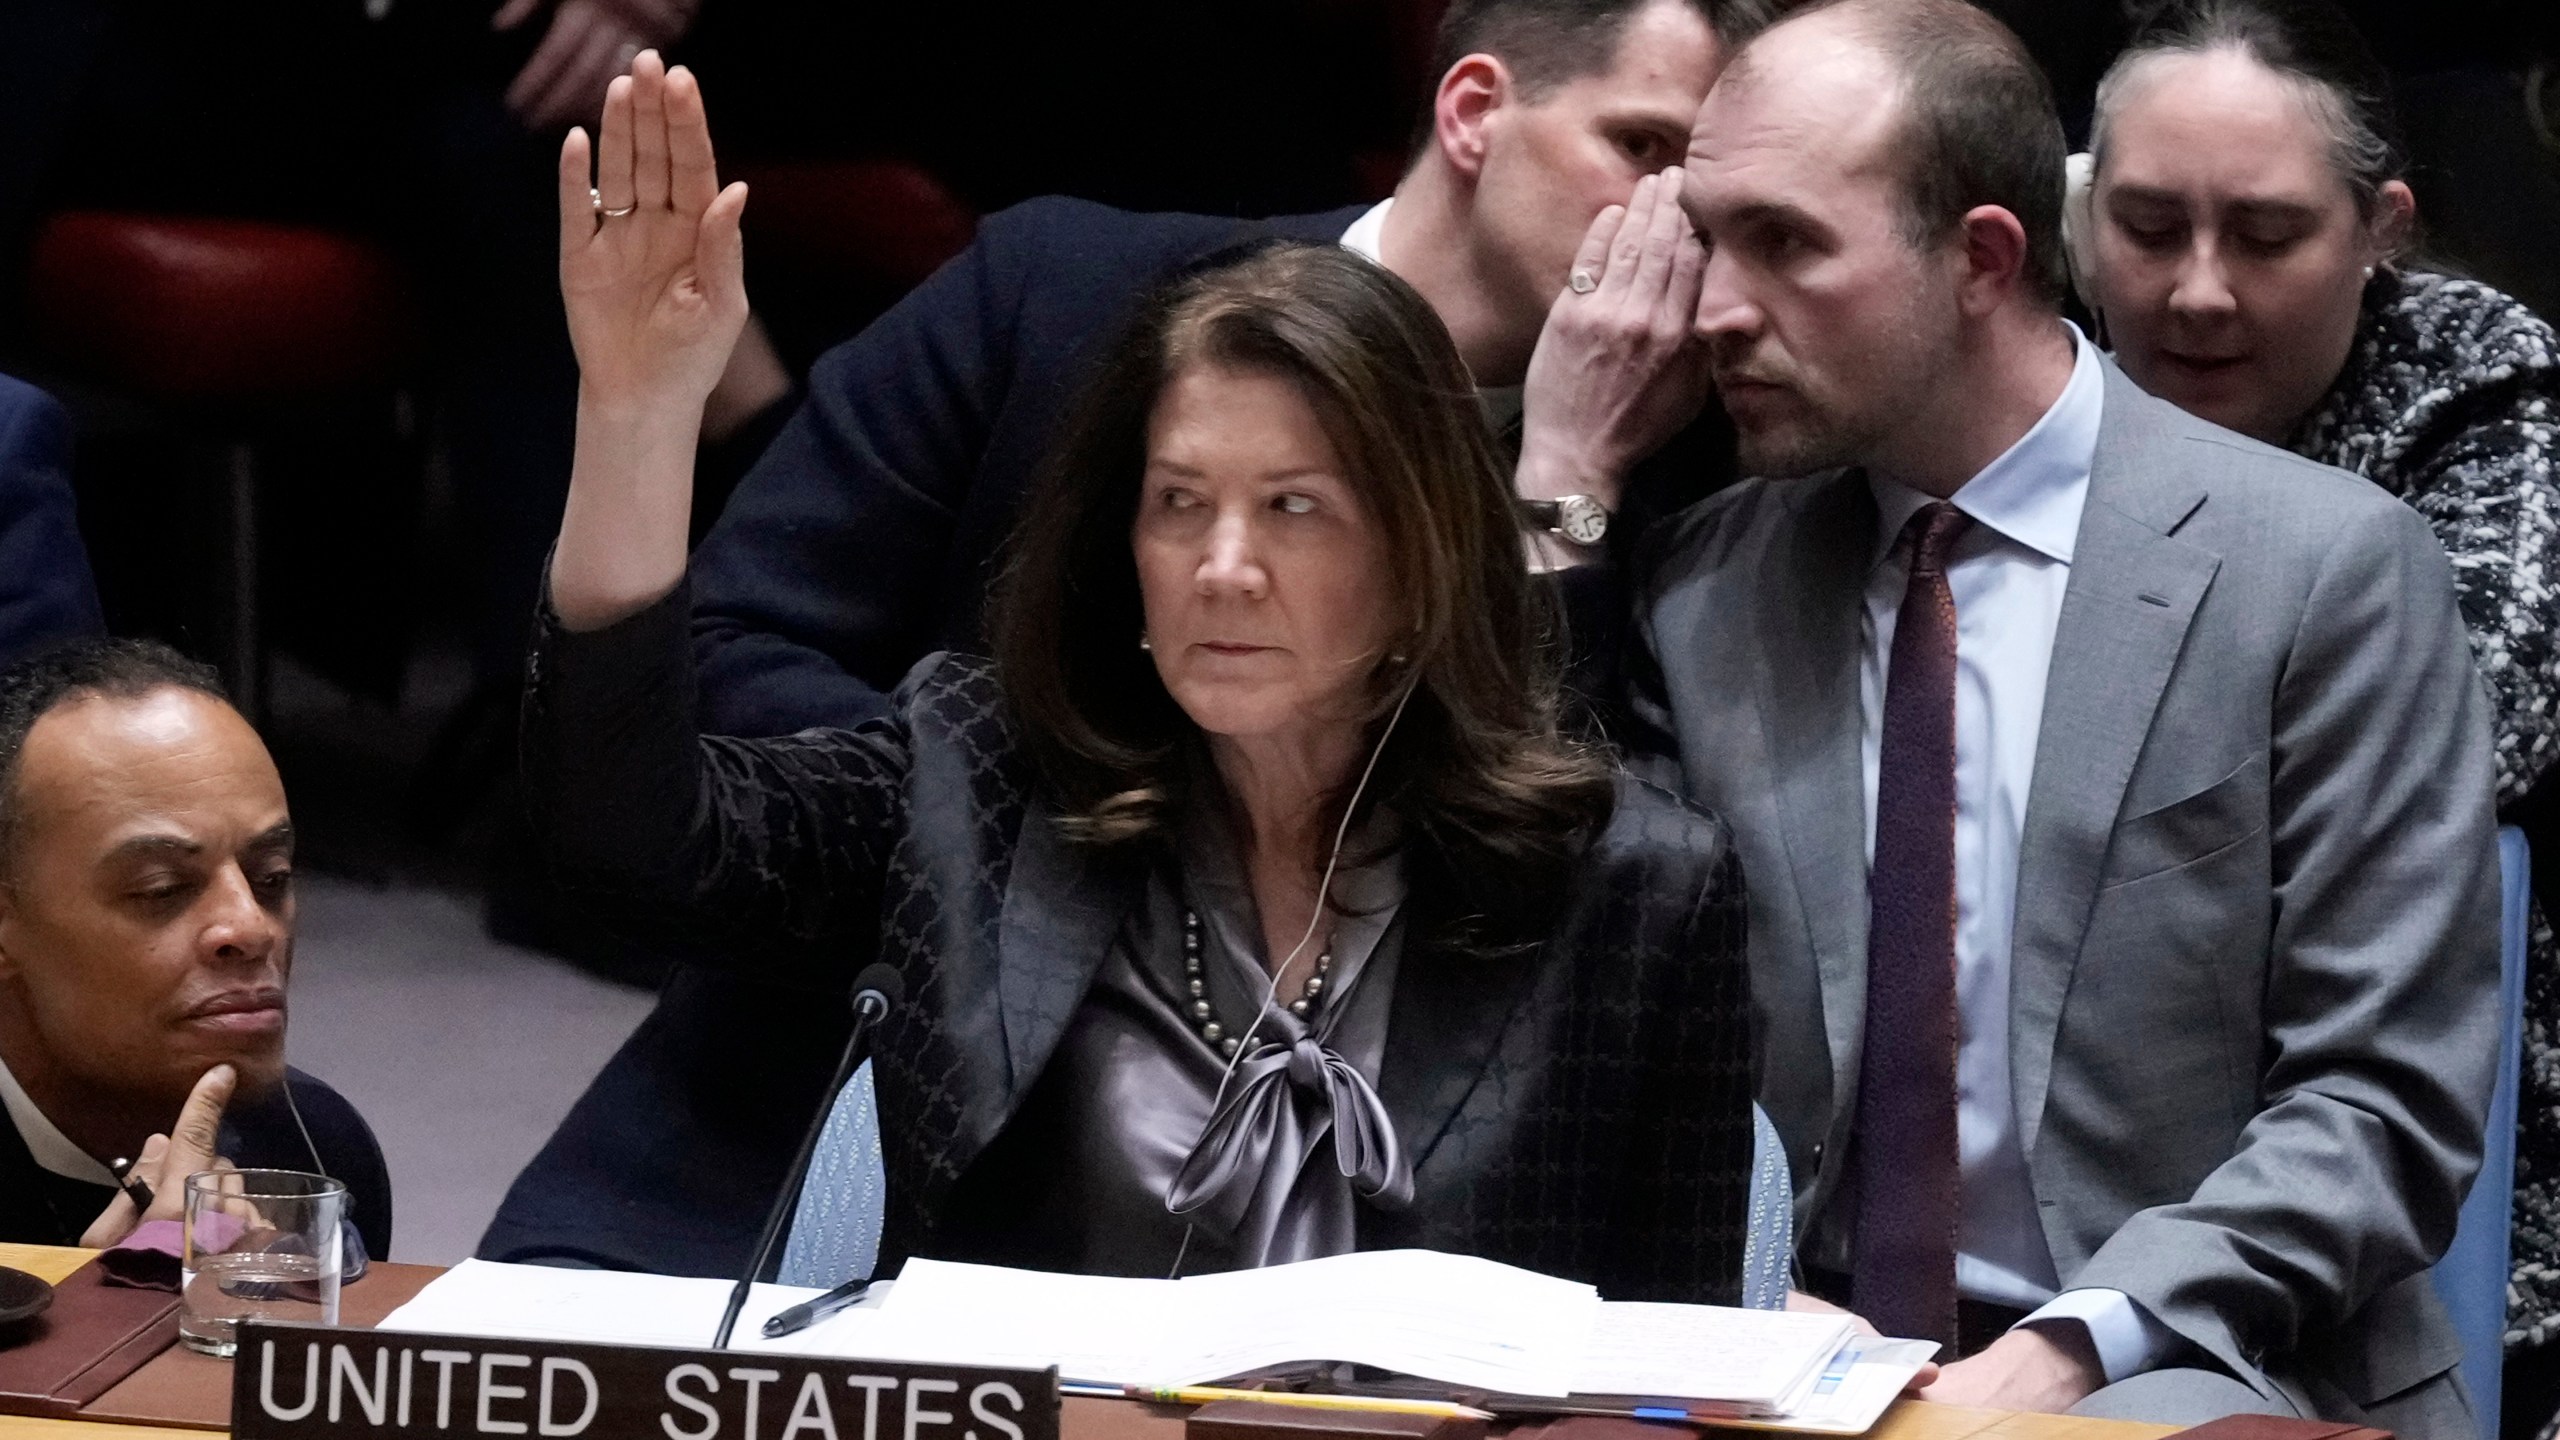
(1204, 1394)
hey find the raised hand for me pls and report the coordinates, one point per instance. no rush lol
(1617, 372)
(651, 266)
(167, 1160)
(654, 280)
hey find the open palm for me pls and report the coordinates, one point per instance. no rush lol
(651, 267)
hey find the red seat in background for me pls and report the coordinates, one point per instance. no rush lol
(191, 308)
(221, 324)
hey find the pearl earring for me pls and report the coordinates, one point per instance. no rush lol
(1146, 644)
(2368, 272)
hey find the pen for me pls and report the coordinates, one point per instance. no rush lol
(1203, 1394)
(792, 1319)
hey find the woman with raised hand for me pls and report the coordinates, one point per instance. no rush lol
(2245, 244)
(1250, 905)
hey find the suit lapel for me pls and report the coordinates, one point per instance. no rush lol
(2133, 591)
(1806, 679)
(1062, 905)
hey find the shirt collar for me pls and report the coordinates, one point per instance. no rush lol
(45, 1142)
(1363, 236)
(2033, 493)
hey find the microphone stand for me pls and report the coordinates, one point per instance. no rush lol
(875, 991)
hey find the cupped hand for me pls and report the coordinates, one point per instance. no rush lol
(1617, 371)
(191, 1146)
(652, 269)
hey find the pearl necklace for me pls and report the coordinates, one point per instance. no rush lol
(1204, 1017)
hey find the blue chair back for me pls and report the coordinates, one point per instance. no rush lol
(1769, 1246)
(835, 1231)
(2472, 1276)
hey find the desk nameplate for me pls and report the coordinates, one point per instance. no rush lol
(319, 1382)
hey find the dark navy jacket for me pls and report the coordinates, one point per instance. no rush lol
(46, 596)
(866, 538)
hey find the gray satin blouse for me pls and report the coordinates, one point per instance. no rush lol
(1266, 1165)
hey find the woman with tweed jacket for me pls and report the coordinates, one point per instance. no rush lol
(2239, 237)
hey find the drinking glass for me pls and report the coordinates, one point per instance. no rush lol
(261, 1245)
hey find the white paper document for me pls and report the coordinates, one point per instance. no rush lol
(1852, 1392)
(1754, 1361)
(1450, 1318)
(1462, 1322)
(610, 1307)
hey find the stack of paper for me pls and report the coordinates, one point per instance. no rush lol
(1451, 1318)
(1462, 1322)
(1737, 1362)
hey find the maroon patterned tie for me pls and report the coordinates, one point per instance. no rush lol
(1905, 1272)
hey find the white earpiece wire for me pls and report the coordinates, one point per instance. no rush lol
(1271, 988)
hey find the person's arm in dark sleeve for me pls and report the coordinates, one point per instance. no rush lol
(825, 578)
(775, 847)
(763, 850)
(46, 595)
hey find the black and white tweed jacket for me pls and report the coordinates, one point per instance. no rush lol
(2451, 400)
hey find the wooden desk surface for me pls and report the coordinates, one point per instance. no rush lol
(1117, 1420)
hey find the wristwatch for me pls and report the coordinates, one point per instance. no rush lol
(1578, 518)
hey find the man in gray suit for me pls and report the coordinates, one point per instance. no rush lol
(2112, 790)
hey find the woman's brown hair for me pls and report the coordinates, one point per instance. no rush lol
(1493, 798)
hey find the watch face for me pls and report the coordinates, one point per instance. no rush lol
(1582, 520)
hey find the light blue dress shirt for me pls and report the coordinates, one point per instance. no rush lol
(2007, 572)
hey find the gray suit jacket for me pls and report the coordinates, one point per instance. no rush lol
(2254, 980)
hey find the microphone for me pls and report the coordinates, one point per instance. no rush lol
(876, 991)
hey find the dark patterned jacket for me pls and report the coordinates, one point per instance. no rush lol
(2451, 401)
(1583, 1109)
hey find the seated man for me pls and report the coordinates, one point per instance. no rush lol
(867, 535)
(2112, 791)
(45, 593)
(146, 935)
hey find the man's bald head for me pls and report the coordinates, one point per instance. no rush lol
(1970, 116)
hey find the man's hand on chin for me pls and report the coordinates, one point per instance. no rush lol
(2049, 1368)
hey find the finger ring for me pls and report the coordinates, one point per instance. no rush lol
(596, 198)
(132, 1185)
(1582, 282)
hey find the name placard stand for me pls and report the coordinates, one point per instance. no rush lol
(320, 1382)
